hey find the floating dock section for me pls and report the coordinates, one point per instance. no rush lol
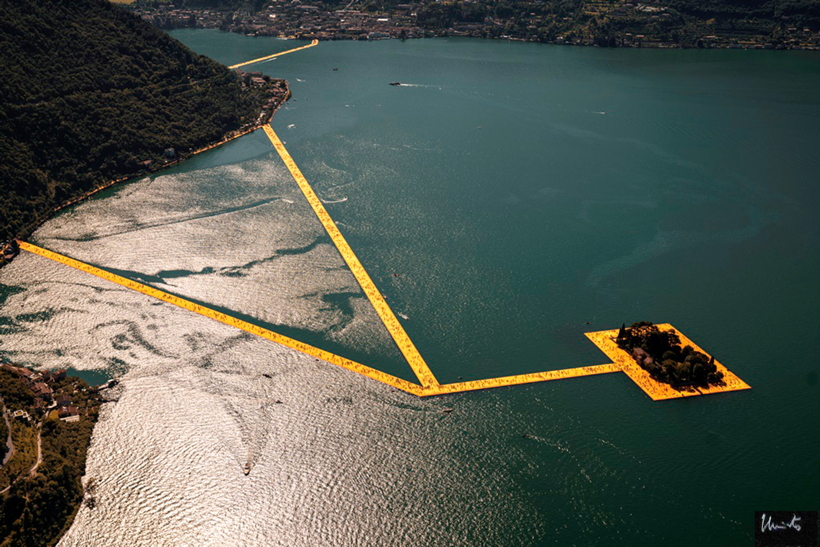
(658, 391)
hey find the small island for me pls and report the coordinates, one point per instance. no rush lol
(46, 425)
(659, 353)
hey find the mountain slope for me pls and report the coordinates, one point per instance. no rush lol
(89, 93)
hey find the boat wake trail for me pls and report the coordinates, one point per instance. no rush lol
(417, 85)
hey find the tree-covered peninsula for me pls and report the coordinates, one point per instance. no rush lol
(91, 93)
(660, 354)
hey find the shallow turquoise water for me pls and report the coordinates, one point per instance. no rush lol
(510, 198)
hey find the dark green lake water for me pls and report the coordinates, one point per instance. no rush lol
(506, 200)
(525, 193)
(520, 191)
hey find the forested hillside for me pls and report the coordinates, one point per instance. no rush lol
(90, 93)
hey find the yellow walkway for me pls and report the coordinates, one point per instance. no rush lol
(398, 383)
(429, 385)
(383, 377)
(274, 56)
(408, 349)
(603, 339)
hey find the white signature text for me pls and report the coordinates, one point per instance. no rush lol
(766, 524)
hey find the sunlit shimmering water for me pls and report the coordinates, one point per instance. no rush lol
(515, 196)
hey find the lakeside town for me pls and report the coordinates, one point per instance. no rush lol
(45, 431)
(599, 23)
(52, 393)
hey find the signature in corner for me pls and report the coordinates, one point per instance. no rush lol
(766, 524)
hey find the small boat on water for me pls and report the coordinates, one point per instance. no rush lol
(395, 83)
(247, 467)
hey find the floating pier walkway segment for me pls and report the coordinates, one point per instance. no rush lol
(530, 378)
(408, 349)
(274, 56)
(383, 377)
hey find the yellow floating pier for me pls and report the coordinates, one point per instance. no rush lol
(408, 349)
(398, 383)
(274, 56)
(383, 377)
(658, 391)
(605, 340)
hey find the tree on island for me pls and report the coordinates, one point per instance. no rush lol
(661, 355)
